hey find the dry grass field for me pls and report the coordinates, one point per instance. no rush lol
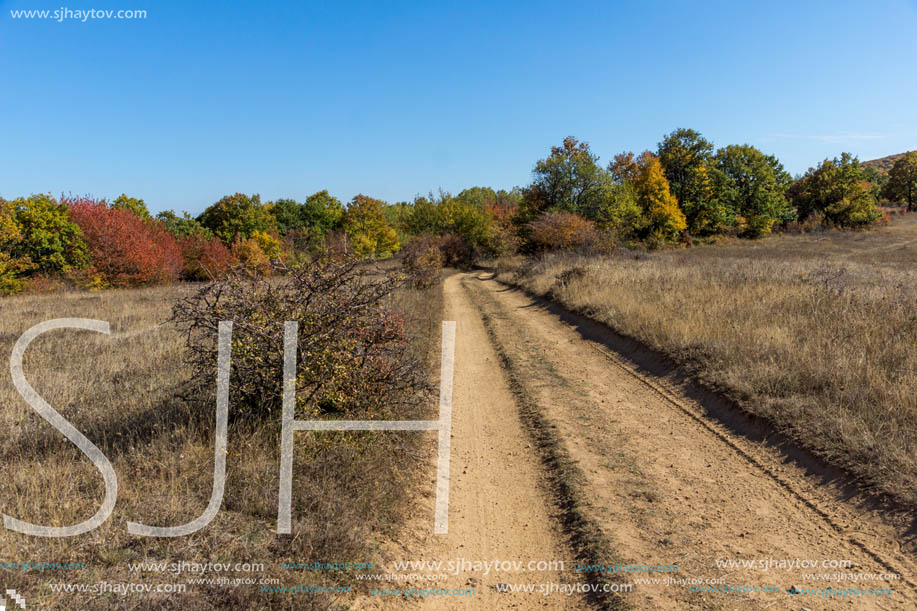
(817, 333)
(121, 392)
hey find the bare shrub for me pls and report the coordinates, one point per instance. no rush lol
(814, 222)
(353, 359)
(456, 251)
(423, 260)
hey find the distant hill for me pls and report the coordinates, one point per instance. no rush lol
(884, 164)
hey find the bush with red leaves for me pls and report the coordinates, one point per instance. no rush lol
(567, 231)
(126, 250)
(205, 258)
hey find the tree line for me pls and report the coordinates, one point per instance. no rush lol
(684, 191)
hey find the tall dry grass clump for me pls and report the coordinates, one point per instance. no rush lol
(124, 392)
(816, 334)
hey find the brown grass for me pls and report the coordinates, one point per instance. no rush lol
(816, 333)
(120, 391)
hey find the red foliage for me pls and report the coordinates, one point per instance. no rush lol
(567, 231)
(205, 259)
(126, 250)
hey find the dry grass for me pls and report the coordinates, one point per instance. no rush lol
(817, 333)
(120, 391)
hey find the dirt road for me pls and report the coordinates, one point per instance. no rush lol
(668, 475)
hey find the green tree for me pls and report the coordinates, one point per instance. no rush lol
(288, 215)
(477, 196)
(368, 231)
(323, 212)
(660, 217)
(397, 215)
(309, 224)
(569, 179)
(902, 181)
(423, 216)
(132, 204)
(182, 226)
(466, 219)
(52, 241)
(686, 157)
(838, 189)
(618, 209)
(236, 215)
(752, 186)
(876, 178)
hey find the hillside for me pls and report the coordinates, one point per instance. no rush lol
(884, 164)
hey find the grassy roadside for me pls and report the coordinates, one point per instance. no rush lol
(120, 391)
(815, 333)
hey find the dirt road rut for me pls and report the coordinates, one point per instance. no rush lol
(657, 471)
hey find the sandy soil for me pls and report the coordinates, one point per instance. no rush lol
(669, 474)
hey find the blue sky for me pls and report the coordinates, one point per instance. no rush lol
(393, 99)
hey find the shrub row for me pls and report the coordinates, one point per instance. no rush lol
(685, 190)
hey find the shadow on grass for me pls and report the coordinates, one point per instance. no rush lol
(718, 405)
(114, 432)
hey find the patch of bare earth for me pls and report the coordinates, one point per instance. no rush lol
(499, 508)
(668, 474)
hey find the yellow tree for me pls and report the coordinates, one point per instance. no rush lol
(368, 230)
(11, 266)
(661, 217)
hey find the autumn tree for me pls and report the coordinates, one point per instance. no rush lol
(131, 204)
(204, 257)
(12, 267)
(838, 189)
(567, 231)
(902, 181)
(367, 229)
(463, 218)
(752, 186)
(502, 211)
(236, 215)
(50, 239)
(686, 156)
(571, 180)
(126, 250)
(660, 217)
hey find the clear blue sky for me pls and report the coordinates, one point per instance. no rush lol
(393, 99)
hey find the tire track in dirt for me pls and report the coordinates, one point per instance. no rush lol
(499, 508)
(669, 485)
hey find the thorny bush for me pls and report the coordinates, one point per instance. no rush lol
(423, 260)
(354, 359)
